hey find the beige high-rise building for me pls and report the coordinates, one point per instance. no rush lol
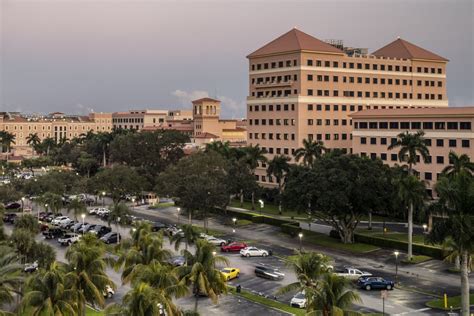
(303, 88)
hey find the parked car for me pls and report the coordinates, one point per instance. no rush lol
(103, 211)
(53, 233)
(111, 238)
(352, 273)
(43, 227)
(9, 218)
(253, 252)
(69, 238)
(68, 225)
(86, 228)
(369, 283)
(100, 230)
(233, 246)
(31, 267)
(93, 211)
(268, 273)
(173, 230)
(216, 241)
(60, 220)
(76, 227)
(230, 273)
(12, 206)
(156, 226)
(177, 261)
(44, 215)
(299, 300)
(51, 217)
(108, 292)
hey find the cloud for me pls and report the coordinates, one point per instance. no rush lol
(230, 107)
(83, 109)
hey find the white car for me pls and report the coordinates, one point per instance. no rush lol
(299, 300)
(60, 220)
(103, 211)
(69, 238)
(94, 210)
(253, 252)
(216, 241)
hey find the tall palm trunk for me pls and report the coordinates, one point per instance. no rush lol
(241, 198)
(370, 220)
(104, 159)
(253, 201)
(279, 198)
(465, 283)
(410, 232)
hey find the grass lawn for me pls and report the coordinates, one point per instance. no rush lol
(161, 205)
(269, 209)
(243, 222)
(91, 312)
(417, 239)
(210, 231)
(329, 242)
(454, 301)
(417, 259)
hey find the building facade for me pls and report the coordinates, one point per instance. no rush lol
(55, 125)
(303, 88)
(139, 119)
(446, 130)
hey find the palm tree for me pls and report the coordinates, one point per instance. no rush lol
(142, 249)
(87, 264)
(48, 143)
(50, 292)
(310, 151)
(309, 269)
(7, 139)
(33, 140)
(202, 274)
(410, 145)
(77, 207)
(333, 294)
(222, 148)
(456, 193)
(141, 300)
(118, 213)
(11, 277)
(164, 281)
(278, 167)
(103, 140)
(411, 192)
(458, 163)
(189, 237)
(253, 156)
(53, 201)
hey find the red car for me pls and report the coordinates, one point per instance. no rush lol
(234, 246)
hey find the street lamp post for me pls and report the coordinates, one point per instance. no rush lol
(103, 198)
(425, 228)
(23, 204)
(300, 235)
(235, 221)
(133, 204)
(261, 205)
(179, 210)
(83, 217)
(396, 253)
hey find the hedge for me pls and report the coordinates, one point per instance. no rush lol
(426, 250)
(291, 229)
(256, 218)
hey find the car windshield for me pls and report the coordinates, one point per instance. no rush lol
(226, 270)
(300, 296)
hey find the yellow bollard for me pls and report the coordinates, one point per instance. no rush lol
(445, 301)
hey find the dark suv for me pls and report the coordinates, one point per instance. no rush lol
(9, 218)
(156, 226)
(100, 230)
(53, 233)
(268, 273)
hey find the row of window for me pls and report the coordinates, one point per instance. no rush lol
(128, 120)
(15, 127)
(465, 143)
(349, 65)
(348, 94)
(414, 125)
(278, 122)
(287, 136)
(375, 94)
(327, 122)
(321, 107)
(394, 157)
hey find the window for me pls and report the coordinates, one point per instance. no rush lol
(405, 125)
(363, 140)
(428, 176)
(427, 125)
(318, 107)
(310, 121)
(452, 125)
(373, 141)
(452, 143)
(383, 156)
(383, 141)
(310, 91)
(439, 159)
(327, 136)
(335, 78)
(309, 62)
(373, 156)
(393, 157)
(439, 143)
(415, 125)
(428, 142)
(439, 125)
(335, 64)
(310, 107)
(327, 107)
(465, 143)
(465, 125)
(310, 77)
(393, 125)
(383, 125)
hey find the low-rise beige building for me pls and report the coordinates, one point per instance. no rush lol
(55, 125)
(139, 119)
(446, 130)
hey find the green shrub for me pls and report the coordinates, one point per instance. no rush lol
(426, 250)
(290, 229)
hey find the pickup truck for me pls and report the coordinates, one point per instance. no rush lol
(352, 273)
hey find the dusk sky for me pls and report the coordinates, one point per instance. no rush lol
(110, 55)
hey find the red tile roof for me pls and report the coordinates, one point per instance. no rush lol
(205, 100)
(295, 40)
(406, 50)
(206, 135)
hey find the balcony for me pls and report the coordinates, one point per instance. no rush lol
(273, 84)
